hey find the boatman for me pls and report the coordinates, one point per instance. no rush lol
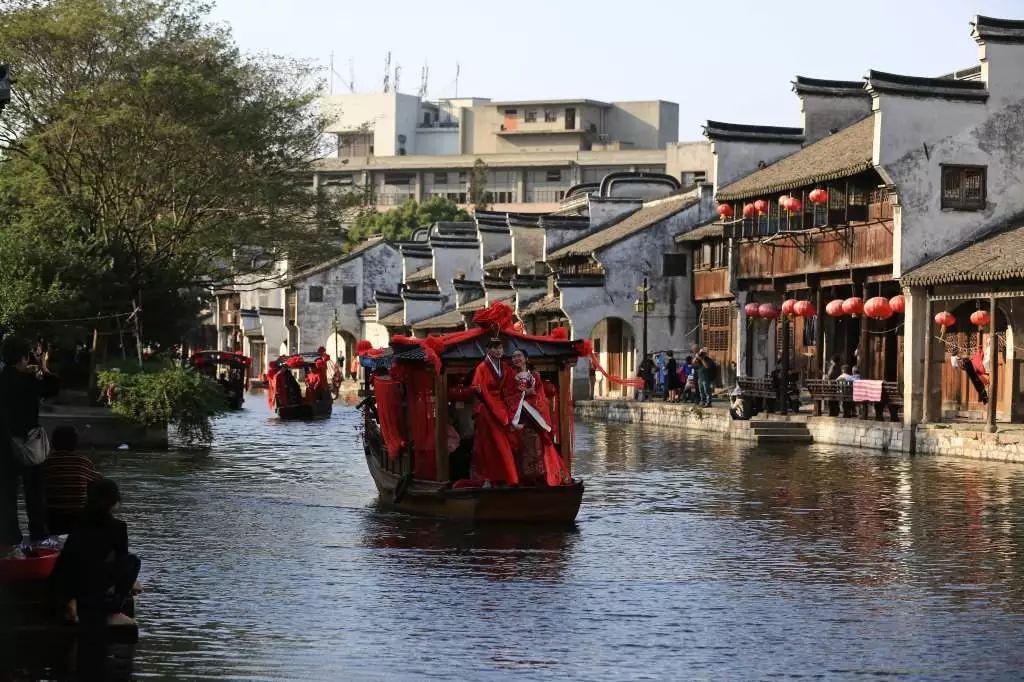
(493, 462)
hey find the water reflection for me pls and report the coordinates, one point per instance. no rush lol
(693, 557)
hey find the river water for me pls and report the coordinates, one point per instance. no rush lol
(693, 558)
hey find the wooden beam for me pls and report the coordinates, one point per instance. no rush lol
(441, 427)
(862, 343)
(993, 350)
(565, 417)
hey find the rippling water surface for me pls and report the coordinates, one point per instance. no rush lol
(693, 558)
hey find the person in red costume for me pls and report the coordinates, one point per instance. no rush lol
(526, 399)
(493, 462)
(277, 386)
(316, 381)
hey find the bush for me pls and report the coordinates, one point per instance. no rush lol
(173, 395)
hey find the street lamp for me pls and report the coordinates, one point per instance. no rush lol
(643, 306)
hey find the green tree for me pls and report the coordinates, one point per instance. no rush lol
(478, 194)
(146, 159)
(400, 222)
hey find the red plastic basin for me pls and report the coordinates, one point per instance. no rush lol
(30, 568)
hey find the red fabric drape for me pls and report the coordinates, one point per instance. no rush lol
(419, 386)
(389, 410)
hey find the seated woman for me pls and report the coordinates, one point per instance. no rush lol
(537, 458)
(95, 575)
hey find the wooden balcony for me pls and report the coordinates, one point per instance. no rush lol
(711, 284)
(801, 252)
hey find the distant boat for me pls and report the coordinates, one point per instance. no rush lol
(409, 458)
(297, 405)
(230, 370)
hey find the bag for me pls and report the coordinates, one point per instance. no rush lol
(33, 449)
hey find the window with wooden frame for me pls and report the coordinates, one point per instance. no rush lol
(963, 188)
(550, 116)
(530, 116)
(316, 294)
(348, 295)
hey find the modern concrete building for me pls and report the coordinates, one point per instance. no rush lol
(395, 147)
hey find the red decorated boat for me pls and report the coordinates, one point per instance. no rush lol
(298, 388)
(230, 370)
(431, 434)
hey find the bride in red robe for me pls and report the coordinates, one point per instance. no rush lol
(538, 460)
(493, 461)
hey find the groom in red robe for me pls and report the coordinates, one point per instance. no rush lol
(493, 460)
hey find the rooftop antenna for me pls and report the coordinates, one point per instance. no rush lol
(398, 74)
(457, 70)
(387, 73)
(424, 77)
(330, 88)
(351, 76)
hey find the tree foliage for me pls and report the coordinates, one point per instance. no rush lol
(173, 395)
(478, 194)
(399, 223)
(145, 158)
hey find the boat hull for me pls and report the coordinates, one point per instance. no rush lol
(556, 504)
(321, 409)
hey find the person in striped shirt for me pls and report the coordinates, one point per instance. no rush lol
(68, 474)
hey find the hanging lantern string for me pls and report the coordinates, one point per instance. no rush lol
(887, 331)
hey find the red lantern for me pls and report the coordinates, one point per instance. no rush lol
(794, 205)
(898, 303)
(752, 310)
(877, 308)
(725, 211)
(761, 206)
(944, 319)
(853, 306)
(805, 309)
(749, 211)
(980, 318)
(767, 311)
(818, 196)
(788, 307)
(784, 201)
(835, 308)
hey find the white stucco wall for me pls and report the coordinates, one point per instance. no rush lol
(437, 141)
(527, 247)
(821, 114)
(452, 262)
(734, 159)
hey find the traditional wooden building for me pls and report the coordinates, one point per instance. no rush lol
(815, 225)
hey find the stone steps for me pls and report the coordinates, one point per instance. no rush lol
(766, 432)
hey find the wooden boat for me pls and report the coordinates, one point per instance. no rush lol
(297, 407)
(230, 370)
(419, 476)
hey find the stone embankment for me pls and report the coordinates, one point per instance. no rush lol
(961, 440)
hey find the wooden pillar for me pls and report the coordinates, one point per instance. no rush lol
(441, 428)
(862, 343)
(784, 369)
(819, 333)
(566, 417)
(993, 350)
(926, 379)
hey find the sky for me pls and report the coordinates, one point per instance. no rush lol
(726, 60)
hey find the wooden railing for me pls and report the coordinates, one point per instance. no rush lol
(711, 284)
(864, 245)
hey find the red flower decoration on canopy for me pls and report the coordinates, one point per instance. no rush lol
(878, 308)
(752, 310)
(725, 211)
(980, 318)
(898, 303)
(853, 306)
(805, 309)
(559, 333)
(295, 362)
(818, 196)
(835, 308)
(497, 315)
(789, 307)
(363, 347)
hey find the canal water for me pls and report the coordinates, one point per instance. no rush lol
(693, 558)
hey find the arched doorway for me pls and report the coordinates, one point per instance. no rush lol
(341, 346)
(615, 347)
(960, 398)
